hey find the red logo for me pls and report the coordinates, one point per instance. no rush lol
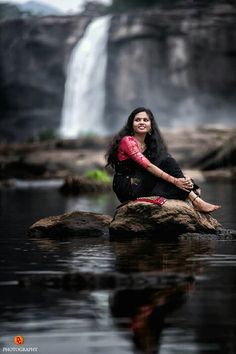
(19, 340)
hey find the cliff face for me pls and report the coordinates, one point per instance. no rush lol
(34, 56)
(180, 62)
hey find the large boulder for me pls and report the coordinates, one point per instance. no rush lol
(77, 223)
(173, 218)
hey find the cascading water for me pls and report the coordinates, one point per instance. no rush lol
(84, 98)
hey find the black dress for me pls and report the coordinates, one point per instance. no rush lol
(132, 181)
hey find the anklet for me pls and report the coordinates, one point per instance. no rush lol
(195, 198)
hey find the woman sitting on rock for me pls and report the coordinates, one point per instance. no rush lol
(143, 166)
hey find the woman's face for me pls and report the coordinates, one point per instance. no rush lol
(141, 123)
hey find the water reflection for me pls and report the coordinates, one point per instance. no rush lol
(118, 321)
(144, 313)
(149, 255)
(224, 194)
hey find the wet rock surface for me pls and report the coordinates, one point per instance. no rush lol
(171, 220)
(174, 217)
(74, 224)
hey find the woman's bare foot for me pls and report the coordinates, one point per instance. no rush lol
(200, 205)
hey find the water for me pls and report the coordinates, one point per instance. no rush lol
(198, 318)
(85, 83)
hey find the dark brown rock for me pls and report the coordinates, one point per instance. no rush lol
(175, 217)
(76, 223)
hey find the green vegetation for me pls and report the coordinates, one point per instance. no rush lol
(98, 175)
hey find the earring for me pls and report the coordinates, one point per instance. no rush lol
(150, 132)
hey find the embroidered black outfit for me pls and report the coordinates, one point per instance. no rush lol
(132, 180)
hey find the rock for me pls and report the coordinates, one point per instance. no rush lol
(220, 157)
(173, 218)
(220, 175)
(189, 145)
(146, 44)
(77, 185)
(77, 223)
(109, 280)
(35, 66)
(46, 160)
(22, 169)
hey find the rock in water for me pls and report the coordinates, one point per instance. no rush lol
(174, 217)
(76, 223)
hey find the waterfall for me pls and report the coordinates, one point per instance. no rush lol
(84, 98)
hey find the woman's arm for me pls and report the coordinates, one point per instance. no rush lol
(181, 183)
(131, 149)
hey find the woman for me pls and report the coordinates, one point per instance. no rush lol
(144, 168)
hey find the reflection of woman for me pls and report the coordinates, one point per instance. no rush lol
(146, 310)
(143, 167)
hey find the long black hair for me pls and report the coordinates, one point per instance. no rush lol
(154, 141)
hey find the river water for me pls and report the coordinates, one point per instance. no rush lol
(199, 318)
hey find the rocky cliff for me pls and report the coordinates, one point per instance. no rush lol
(35, 52)
(179, 61)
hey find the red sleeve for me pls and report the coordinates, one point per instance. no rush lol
(129, 148)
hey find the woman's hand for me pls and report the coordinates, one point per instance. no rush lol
(189, 182)
(183, 183)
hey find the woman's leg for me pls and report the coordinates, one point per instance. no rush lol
(164, 188)
(171, 166)
(200, 205)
